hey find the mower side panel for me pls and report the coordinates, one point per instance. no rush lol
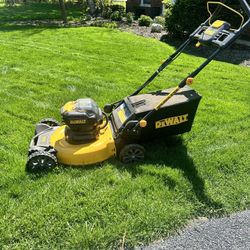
(173, 118)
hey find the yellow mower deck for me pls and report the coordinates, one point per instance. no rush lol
(83, 154)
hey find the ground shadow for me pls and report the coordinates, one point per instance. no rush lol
(174, 154)
(27, 30)
(35, 11)
(171, 152)
(235, 54)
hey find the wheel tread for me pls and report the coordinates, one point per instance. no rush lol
(130, 149)
(37, 154)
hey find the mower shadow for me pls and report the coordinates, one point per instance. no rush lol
(176, 157)
(235, 54)
(171, 153)
(37, 174)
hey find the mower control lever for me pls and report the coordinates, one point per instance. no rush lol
(218, 34)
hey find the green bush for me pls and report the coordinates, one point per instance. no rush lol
(110, 25)
(168, 3)
(107, 11)
(168, 13)
(84, 18)
(110, 9)
(105, 24)
(130, 17)
(120, 8)
(185, 16)
(116, 16)
(98, 23)
(160, 20)
(144, 20)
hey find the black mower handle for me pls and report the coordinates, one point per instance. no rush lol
(244, 4)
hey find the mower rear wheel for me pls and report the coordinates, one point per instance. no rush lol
(50, 121)
(132, 153)
(41, 160)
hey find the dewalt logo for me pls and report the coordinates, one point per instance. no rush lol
(77, 121)
(171, 121)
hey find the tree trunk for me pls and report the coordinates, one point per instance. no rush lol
(63, 11)
(91, 5)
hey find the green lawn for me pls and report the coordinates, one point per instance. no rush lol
(35, 11)
(203, 173)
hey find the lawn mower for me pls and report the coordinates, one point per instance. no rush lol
(88, 135)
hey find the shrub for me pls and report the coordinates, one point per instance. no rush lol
(185, 16)
(109, 9)
(167, 13)
(84, 18)
(105, 24)
(116, 16)
(98, 23)
(144, 20)
(116, 7)
(130, 17)
(110, 25)
(160, 20)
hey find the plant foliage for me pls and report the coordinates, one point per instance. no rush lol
(185, 16)
(145, 20)
(130, 17)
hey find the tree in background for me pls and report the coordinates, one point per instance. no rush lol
(63, 11)
(97, 7)
(184, 16)
(91, 7)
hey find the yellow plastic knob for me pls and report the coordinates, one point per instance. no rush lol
(143, 123)
(189, 80)
(197, 45)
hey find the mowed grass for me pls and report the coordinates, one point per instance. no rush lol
(35, 11)
(111, 205)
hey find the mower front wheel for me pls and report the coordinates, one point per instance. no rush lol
(132, 153)
(41, 161)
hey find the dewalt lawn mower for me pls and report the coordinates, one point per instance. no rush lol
(88, 135)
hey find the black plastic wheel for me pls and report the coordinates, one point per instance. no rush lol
(41, 160)
(132, 153)
(50, 121)
(108, 108)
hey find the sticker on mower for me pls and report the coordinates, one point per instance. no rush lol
(171, 121)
